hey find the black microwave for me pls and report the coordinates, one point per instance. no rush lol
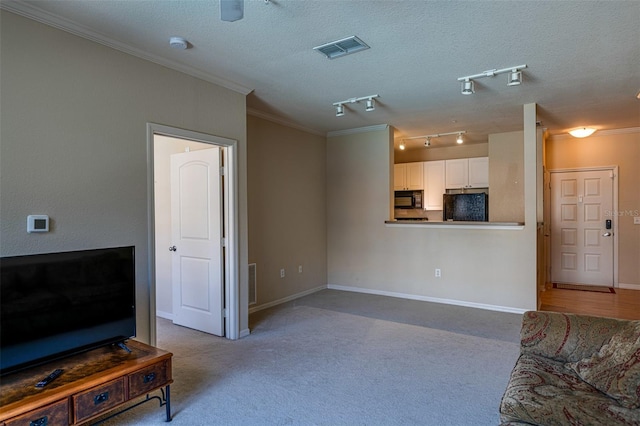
(408, 200)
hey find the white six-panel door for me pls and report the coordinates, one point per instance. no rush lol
(197, 275)
(581, 244)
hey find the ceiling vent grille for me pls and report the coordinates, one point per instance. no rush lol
(346, 46)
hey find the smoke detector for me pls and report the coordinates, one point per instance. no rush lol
(178, 43)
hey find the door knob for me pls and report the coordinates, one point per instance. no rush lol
(173, 248)
(606, 234)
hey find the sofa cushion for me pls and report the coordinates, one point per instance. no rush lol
(615, 369)
(566, 337)
(542, 391)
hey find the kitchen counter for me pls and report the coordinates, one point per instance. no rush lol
(514, 226)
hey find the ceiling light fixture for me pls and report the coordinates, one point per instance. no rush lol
(582, 132)
(515, 78)
(370, 105)
(459, 139)
(467, 87)
(402, 146)
(428, 138)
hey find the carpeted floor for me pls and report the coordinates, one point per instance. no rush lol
(340, 358)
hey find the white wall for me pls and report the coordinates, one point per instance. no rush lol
(74, 144)
(495, 269)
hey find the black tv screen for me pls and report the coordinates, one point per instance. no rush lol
(55, 304)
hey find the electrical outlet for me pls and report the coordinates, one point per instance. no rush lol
(438, 273)
(282, 273)
(299, 269)
(636, 220)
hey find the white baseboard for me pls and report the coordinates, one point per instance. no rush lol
(165, 315)
(430, 299)
(285, 299)
(629, 286)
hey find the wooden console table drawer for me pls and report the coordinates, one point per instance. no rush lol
(56, 414)
(150, 378)
(98, 400)
(93, 384)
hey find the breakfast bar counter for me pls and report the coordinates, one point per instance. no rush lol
(513, 226)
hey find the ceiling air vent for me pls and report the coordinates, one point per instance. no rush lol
(343, 47)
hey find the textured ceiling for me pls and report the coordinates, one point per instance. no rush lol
(583, 58)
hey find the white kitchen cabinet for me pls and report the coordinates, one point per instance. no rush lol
(467, 173)
(434, 178)
(407, 176)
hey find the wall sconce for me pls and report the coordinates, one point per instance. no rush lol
(370, 105)
(514, 79)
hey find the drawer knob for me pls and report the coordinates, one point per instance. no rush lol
(100, 398)
(42, 421)
(149, 378)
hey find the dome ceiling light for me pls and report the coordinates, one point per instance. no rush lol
(582, 132)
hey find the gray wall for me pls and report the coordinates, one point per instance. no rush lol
(495, 269)
(287, 210)
(74, 143)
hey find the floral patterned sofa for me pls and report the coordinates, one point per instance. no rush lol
(574, 370)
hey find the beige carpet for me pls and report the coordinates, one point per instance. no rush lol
(339, 358)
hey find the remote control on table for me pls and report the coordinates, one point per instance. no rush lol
(50, 378)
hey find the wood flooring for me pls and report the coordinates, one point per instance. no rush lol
(624, 304)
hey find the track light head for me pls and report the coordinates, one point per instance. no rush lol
(427, 142)
(370, 105)
(459, 140)
(339, 110)
(401, 146)
(467, 87)
(515, 78)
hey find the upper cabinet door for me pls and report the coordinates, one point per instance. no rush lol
(433, 185)
(414, 175)
(457, 173)
(407, 176)
(479, 172)
(467, 173)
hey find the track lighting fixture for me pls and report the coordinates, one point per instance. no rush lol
(459, 139)
(514, 79)
(427, 138)
(467, 87)
(401, 146)
(370, 105)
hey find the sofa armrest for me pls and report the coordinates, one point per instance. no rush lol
(566, 337)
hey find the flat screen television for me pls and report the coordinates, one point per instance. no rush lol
(56, 304)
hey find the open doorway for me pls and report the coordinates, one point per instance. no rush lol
(163, 144)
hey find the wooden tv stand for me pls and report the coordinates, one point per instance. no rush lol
(92, 385)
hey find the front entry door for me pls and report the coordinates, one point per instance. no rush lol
(581, 244)
(196, 228)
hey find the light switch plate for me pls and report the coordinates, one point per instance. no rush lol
(37, 223)
(636, 220)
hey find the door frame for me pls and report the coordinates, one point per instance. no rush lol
(613, 170)
(230, 223)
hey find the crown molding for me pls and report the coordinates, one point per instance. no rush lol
(366, 129)
(29, 11)
(605, 132)
(282, 121)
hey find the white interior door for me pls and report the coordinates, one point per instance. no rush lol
(581, 244)
(196, 228)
